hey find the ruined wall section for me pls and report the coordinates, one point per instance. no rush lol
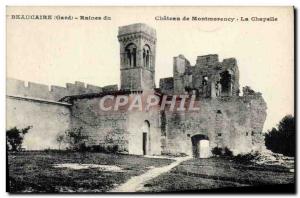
(228, 122)
(258, 108)
(166, 85)
(16, 87)
(206, 77)
(180, 74)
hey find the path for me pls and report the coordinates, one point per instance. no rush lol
(136, 183)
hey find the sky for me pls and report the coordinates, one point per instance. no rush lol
(56, 52)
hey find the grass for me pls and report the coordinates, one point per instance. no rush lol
(213, 173)
(34, 171)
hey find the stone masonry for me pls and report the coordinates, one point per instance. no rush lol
(226, 118)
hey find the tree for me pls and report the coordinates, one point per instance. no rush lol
(60, 138)
(15, 137)
(75, 138)
(282, 139)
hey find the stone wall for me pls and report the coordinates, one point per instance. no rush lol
(235, 123)
(131, 79)
(204, 78)
(166, 85)
(102, 128)
(37, 105)
(122, 128)
(47, 118)
(136, 121)
(16, 87)
(135, 74)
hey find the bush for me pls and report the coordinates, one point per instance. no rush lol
(222, 152)
(217, 151)
(112, 149)
(246, 158)
(282, 139)
(98, 148)
(51, 151)
(75, 138)
(228, 152)
(15, 137)
(101, 148)
(175, 154)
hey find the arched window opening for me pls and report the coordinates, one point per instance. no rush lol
(147, 56)
(128, 58)
(144, 57)
(205, 88)
(130, 55)
(148, 59)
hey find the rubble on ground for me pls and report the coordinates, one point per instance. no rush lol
(267, 157)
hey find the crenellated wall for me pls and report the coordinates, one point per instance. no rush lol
(53, 93)
(38, 105)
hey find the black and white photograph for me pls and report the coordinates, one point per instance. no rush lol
(150, 99)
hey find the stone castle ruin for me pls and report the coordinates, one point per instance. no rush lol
(226, 118)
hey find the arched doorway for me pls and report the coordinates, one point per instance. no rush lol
(200, 146)
(145, 136)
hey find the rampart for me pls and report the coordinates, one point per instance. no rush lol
(16, 87)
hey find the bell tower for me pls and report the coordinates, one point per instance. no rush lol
(137, 57)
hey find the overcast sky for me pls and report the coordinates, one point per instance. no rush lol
(56, 52)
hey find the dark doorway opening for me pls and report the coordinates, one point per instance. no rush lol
(200, 146)
(144, 143)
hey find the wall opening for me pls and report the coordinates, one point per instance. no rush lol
(130, 55)
(200, 146)
(145, 137)
(225, 83)
(147, 56)
(144, 143)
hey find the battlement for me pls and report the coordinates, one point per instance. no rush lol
(16, 87)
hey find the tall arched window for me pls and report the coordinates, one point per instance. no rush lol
(144, 57)
(147, 56)
(130, 55)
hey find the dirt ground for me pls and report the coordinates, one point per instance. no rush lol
(39, 172)
(98, 172)
(215, 173)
